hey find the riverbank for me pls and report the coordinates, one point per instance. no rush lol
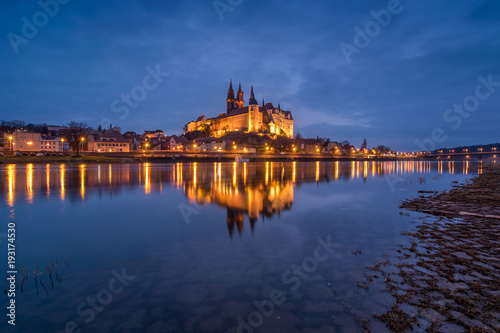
(62, 159)
(183, 158)
(448, 279)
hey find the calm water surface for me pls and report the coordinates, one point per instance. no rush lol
(206, 247)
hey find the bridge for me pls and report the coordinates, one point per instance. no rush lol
(466, 153)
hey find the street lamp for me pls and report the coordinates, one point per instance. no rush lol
(82, 139)
(62, 141)
(10, 138)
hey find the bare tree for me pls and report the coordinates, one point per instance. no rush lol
(383, 149)
(11, 126)
(76, 135)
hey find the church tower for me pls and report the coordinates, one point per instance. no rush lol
(240, 102)
(231, 101)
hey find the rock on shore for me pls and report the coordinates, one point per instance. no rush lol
(448, 280)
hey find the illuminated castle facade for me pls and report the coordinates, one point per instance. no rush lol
(251, 118)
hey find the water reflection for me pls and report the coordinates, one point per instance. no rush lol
(62, 172)
(11, 174)
(29, 183)
(252, 189)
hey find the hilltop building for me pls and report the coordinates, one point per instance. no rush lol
(250, 118)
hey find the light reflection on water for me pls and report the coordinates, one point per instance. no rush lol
(23, 181)
(194, 278)
(251, 189)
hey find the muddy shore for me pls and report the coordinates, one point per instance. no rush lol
(448, 279)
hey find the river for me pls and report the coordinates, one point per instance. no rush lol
(206, 247)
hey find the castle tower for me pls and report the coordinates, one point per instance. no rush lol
(253, 101)
(240, 102)
(231, 101)
(253, 114)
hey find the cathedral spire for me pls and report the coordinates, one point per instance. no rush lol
(279, 106)
(240, 101)
(230, 91)
(263, 103)
(230, 98)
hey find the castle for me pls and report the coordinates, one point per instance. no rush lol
(251, 118)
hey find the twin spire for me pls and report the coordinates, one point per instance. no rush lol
(230, 92)
(236, 102)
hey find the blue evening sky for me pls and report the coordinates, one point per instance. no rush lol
(393, 90)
